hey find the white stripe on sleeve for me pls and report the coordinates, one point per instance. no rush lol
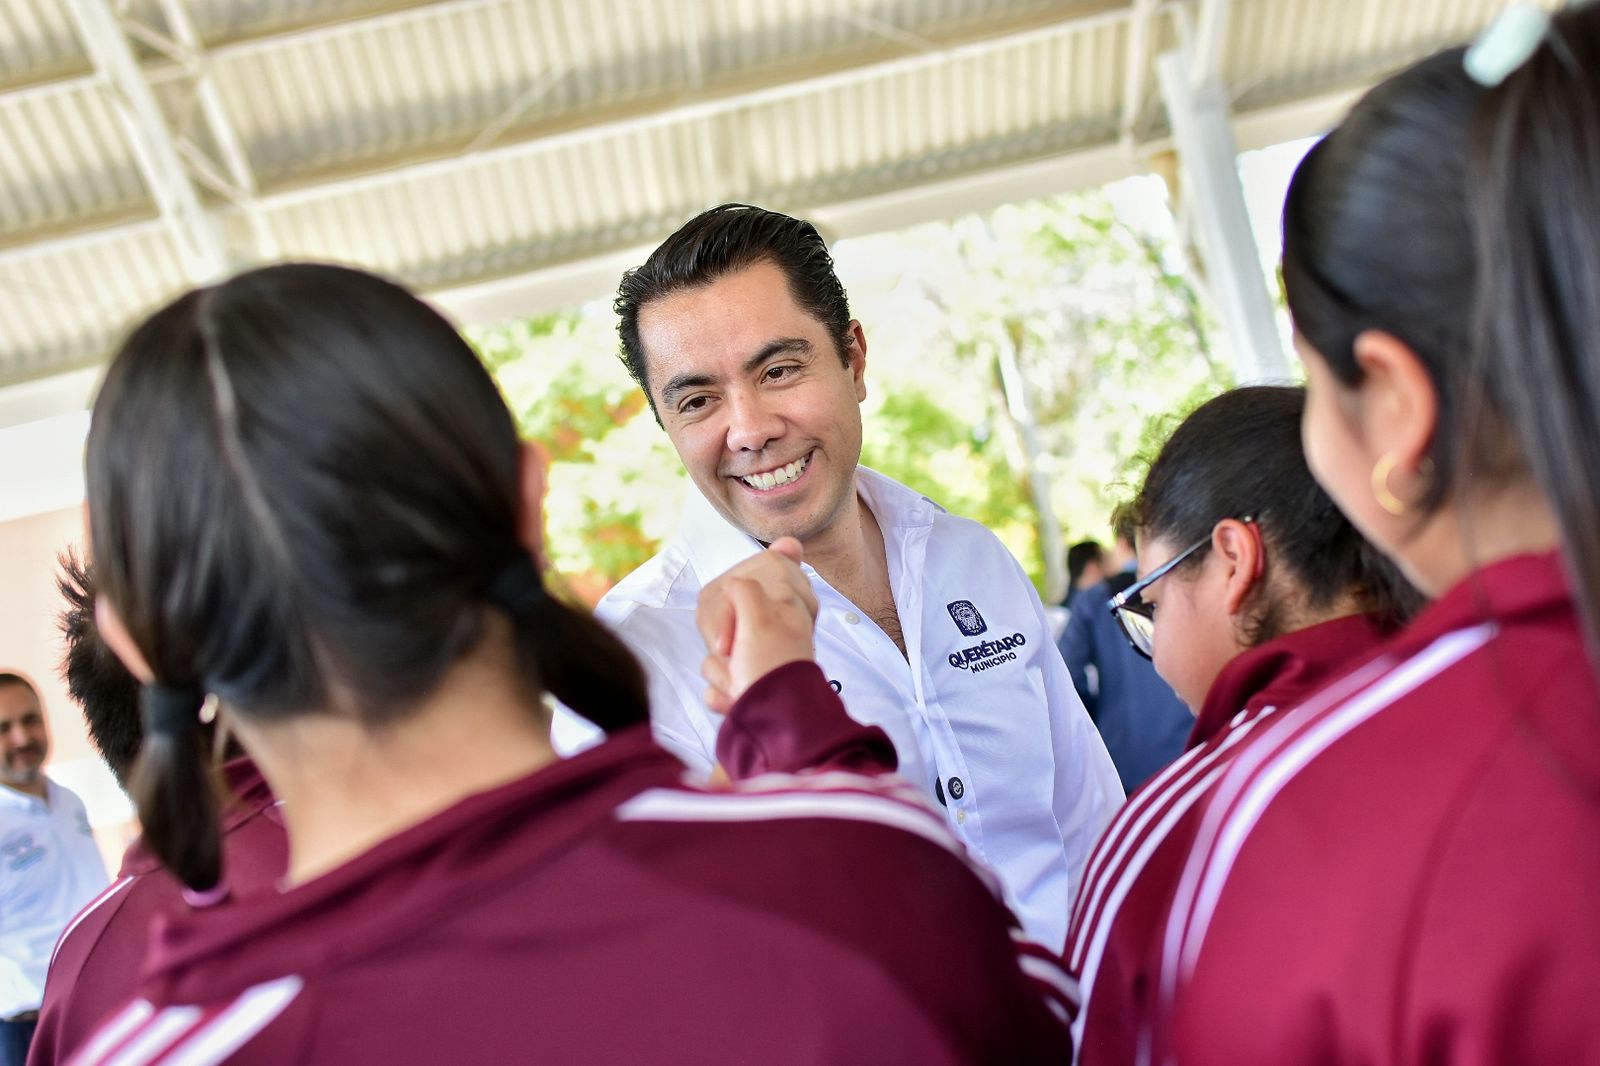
(245, 1017)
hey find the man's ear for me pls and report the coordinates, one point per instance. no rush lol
(856, 353)
(534, 480)
(1399, 404)
(1237, 544)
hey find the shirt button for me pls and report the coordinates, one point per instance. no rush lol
(853, 618)
(961, 816)
(956, 788)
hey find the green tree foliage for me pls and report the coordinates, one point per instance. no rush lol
(1110, 334)
(614, 481)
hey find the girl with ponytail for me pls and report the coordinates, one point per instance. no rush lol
(1406, 867)
(312, 518)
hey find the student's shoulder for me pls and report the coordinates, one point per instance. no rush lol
(64, 799)
(821, 829)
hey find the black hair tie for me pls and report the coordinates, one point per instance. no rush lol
(171, 711)
(516, 586)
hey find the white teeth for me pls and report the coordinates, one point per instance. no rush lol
(781, 476)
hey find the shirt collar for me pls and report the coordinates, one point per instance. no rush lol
(1282, 672)
(714, 544)
(17, 799)
(1286, 670)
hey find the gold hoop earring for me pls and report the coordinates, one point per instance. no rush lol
(1380, 485)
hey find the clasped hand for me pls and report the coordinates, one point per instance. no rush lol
(758, 616)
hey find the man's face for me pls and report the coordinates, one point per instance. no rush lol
(758, 404)
(23, 740)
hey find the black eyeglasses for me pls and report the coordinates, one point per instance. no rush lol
(1137, 618)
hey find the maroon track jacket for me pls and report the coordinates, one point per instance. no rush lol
(601, 910)
(1114, 942)
(97, 961)
(1406, 868)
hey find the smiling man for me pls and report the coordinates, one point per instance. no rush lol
(740, 334)
(49, 864)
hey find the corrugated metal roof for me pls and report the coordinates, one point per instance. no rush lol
(456, 141)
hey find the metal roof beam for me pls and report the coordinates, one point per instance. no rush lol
(223, 133)
(396, 11)
(772, 88)
(591, 277)
(199, 240)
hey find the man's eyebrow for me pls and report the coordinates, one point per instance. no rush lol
(683, 383)
(782, 346)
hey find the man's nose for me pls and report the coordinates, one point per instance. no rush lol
(751, 424)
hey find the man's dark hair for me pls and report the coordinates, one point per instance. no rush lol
(9, 678)
(96, 679)
(723, 241)
(1079, 556)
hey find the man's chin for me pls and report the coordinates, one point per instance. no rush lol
(23, 775)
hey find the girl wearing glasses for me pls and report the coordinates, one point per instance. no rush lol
(1406, 867)
(1257, 592)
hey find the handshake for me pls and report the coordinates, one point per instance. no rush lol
(758, 616)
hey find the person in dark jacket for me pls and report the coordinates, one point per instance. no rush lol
(1085, 569)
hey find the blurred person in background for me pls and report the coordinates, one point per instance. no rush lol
(96, 965)
(50, 865)
(1085, 569)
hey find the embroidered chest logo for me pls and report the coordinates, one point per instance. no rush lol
(20, 852)
(967, 618)
(989, 654)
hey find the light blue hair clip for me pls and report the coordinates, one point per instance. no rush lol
(1507, 44)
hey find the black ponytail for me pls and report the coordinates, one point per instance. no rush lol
(1534, 170)
(175, 790)
(568, 652)
(584, 665)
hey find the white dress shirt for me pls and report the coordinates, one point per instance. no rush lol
(983, 715)
(50, 868)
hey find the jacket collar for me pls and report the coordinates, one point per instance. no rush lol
(248, 796)
(1520, 588)
(1282, 672)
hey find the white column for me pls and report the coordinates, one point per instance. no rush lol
(1198, 109)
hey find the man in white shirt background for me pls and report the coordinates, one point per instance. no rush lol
(739, 332)
(49, 864)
